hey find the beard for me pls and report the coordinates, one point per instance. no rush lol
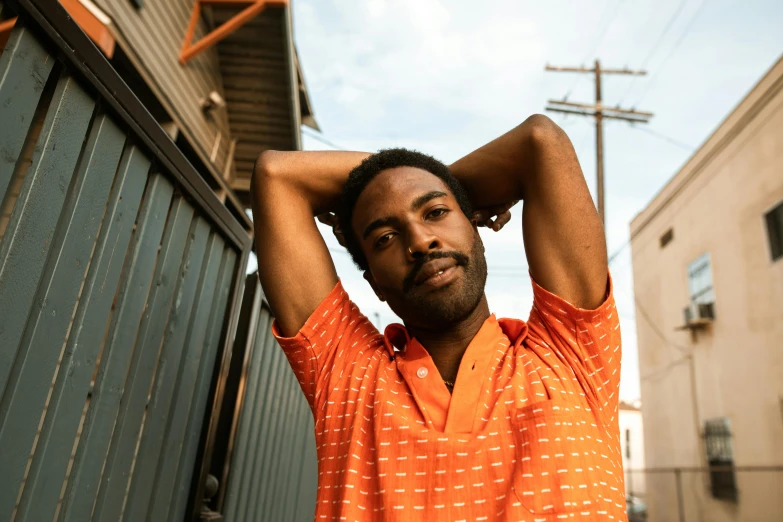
(449, 305)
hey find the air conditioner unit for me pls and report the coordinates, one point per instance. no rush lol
(706, 311)
(697, 314)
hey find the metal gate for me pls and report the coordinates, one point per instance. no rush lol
(120, 280)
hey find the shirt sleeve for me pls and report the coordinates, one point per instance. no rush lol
(330, 333)
(586, 340)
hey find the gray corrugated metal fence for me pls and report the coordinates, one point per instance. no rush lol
(119, 275)
(273, 473)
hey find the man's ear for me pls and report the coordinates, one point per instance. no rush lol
(370, 279)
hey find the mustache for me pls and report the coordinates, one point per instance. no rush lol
(408, 282)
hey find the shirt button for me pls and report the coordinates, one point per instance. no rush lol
(422, 372)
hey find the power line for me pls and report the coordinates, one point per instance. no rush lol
(320, 138)
(672, 51)
(618, 252)
(664, 137)
(599, 38)
(668, 26)
(665, 369)
(657, 330)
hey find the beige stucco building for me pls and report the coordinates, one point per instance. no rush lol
(632, 447)
(712, 378)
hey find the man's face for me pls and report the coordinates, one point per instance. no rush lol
(425, 256)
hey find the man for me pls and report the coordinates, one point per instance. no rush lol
(456, 415)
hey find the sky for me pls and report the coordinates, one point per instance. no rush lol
(445, 77)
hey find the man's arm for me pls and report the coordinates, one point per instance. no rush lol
(564, 238)
(294, 265)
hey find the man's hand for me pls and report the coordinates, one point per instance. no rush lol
(494, 217)
(331, 219)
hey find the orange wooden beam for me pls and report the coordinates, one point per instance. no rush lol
(91, 26)
(5, 31)
(253, 9)
(7, 25)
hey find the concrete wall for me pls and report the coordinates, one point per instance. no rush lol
(734, 368)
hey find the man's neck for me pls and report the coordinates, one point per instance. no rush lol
(446, 347)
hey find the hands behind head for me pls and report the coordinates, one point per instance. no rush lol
(495, 217)
(330, 218)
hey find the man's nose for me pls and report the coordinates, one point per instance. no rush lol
(421, 241)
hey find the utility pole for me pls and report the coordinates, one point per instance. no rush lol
(599, 111)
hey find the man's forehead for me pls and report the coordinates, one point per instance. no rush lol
(397, 188)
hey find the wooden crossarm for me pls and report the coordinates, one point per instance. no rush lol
(253, 9)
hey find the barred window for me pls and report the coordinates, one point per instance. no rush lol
(720, 458)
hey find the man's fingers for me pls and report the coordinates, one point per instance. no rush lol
(501, 220)
(327, 219)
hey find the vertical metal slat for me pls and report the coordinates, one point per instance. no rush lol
(269, 502)
(297, 456)
(47, 327)
(261, 434)
(116, 472)
(28, 238)
(98, 425)
(186, 381)
(24, 68)
(193, 431)
(53, 451)
(267, 437)
(241, 466)
(159, 407)
(307, 487)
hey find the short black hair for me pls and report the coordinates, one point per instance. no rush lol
(387, 159)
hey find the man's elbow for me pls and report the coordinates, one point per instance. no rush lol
(265, 170)
(542, 131)
(266, 166)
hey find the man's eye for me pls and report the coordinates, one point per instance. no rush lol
(383, 239)
(438, 212)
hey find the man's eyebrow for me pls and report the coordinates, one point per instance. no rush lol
(416, 205)
(429, 196)
(378, 223)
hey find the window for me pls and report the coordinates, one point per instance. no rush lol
(700, 280)
(628, 444)
(774, 220)
(720, 458)
(667, 237)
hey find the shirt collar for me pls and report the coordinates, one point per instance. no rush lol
(396, 336)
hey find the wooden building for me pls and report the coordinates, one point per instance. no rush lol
(224, 85)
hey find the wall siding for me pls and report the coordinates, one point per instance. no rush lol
(118, 285)
(257, 78)
(152, 36)
(274, 468)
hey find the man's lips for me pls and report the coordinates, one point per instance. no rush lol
(433, 268)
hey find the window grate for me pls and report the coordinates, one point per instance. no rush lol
(720, 458)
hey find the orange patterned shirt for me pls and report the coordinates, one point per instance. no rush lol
(529, 434)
